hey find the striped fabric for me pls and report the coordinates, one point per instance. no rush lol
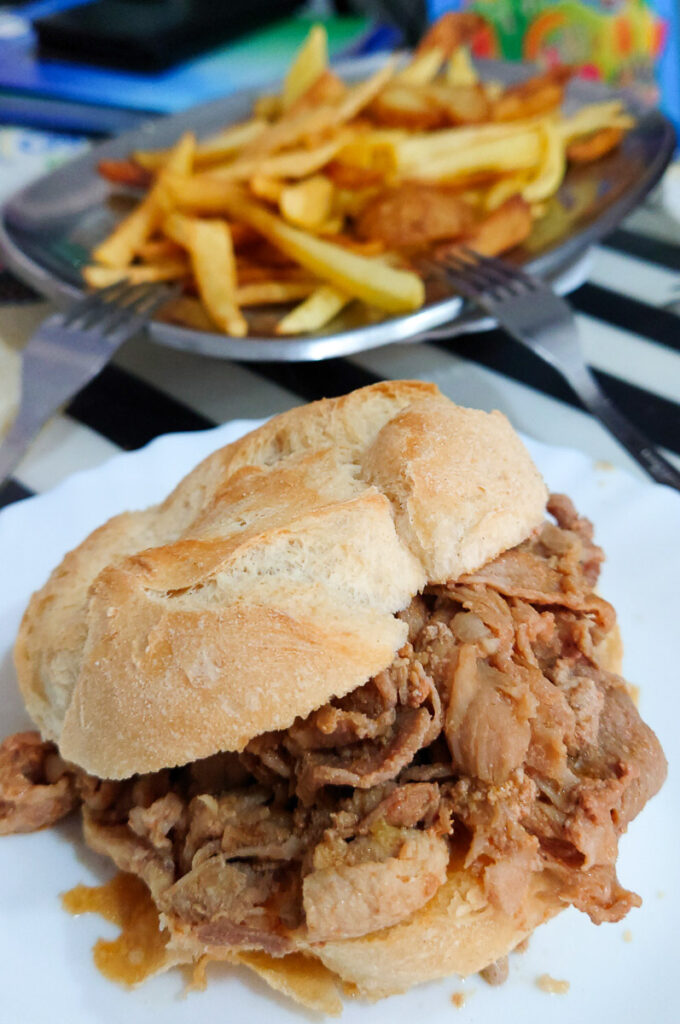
(630, 338)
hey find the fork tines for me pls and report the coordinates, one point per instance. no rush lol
(119, 304)
(474, 275)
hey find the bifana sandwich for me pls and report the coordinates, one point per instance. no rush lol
(347, 702)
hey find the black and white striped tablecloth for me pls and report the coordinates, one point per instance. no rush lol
(630, 338)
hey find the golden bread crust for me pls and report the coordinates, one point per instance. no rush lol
(457, 932)
(268, 581)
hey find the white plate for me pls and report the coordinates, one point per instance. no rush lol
(47, 971)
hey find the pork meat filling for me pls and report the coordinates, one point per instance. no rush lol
(495, 730)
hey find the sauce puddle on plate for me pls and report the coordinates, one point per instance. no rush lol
(139, 950)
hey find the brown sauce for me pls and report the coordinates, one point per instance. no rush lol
(139, 950)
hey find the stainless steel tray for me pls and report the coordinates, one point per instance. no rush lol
(48, 228)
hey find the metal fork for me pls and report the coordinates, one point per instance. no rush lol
(532, 313)
(69, 349)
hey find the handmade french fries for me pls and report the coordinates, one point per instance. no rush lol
(209, 245)
(315, 312)
(332, 191)
(309, 64)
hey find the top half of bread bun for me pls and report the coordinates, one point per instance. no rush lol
(268, 581)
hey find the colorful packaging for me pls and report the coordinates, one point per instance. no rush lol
(631, 43)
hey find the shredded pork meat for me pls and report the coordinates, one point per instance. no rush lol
(494, 724)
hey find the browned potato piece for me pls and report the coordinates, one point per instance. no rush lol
(461, 104)
(407, 106)
(327, 88)
(124, 172)
(534, 96)
(592, 147)
(504, 228)
(351, 176)
(451, 31)
(413, 214)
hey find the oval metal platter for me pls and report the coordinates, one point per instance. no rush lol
(48, 228)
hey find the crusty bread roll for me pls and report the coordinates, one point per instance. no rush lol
(268, 581)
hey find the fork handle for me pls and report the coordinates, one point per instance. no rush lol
(13, 448)
(633, 440)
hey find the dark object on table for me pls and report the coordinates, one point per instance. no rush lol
(146, 35)
(408, 16)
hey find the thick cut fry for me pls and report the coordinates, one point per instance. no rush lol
(296, 163)
(507, 186)
(592, 147)
(414, 214)
(272, 293)
(224, 145)
(121, 246)
(460, 69)
(550, 173)
(293, 127)
(451, 31)
(167, 270)
(210, 150)
(608, 114)
(200, 193)
(181, 157)
(309, 203)
(315, 312)
(423, 68)
(512, 153)
(395, 291)
(412, 153)
(180, 229)
(210, 249)
(360, 95)
(269, 189)
(310, 61)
